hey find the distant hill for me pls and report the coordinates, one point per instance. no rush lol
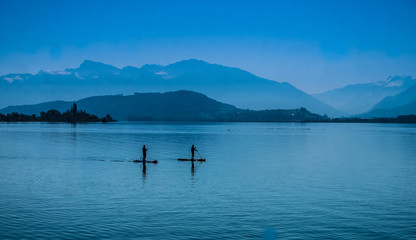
(398, 100)
(170, 106)
(61, 106)
(359, 98)
(401, 104)
(408, 109)
(226, 84)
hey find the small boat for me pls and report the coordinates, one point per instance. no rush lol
(195, 159)
(147, 161)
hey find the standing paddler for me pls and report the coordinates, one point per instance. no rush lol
(144, 150)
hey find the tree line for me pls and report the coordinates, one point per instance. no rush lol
(70, 116)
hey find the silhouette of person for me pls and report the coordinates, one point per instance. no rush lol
(144, 150)
(193, 151)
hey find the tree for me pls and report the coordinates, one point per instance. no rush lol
(74, 109)
(53, 116)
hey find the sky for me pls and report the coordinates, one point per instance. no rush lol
(314, 45)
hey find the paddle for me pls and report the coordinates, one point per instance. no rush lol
(198, 154)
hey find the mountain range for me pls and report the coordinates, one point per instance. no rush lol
(360, 98)
(225, 84)
(403, 103)
(170, 106)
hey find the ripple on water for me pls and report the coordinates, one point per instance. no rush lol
(284, 180)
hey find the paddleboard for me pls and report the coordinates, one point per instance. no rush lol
(196, 160)
(147, 161)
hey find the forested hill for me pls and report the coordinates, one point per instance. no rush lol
(170, 106)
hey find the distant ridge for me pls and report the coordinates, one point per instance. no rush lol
(359, 98)
(169, 106)
(401, 99)
(403, 103)
(408, 109)
(226, 84)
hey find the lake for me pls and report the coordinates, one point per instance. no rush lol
(260, 180)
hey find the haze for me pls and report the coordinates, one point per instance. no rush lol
(314, 45)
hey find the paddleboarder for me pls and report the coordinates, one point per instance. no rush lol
(193, 151)
(144, 150)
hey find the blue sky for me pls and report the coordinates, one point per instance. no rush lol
(314, 45)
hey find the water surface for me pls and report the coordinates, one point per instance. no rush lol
(284, 180)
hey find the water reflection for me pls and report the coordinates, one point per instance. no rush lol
(193, 169)
(144, 173)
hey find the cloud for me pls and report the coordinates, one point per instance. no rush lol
(12, 79)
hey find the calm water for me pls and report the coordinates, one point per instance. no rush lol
(261, 180)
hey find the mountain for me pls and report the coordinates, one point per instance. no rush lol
(235, 86)
(359, 98)
(91, 69)
(401, 104)
(408, 109)
(226, 84)
(398, 100)
(170, 106)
